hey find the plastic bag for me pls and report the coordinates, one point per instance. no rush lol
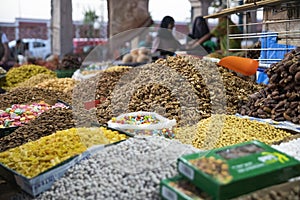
(158, 125)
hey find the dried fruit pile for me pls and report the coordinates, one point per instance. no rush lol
(30, 159)
(26, 95)
(98, 87)
(129, 170)
(280, 100)
(47, 123)
(20, 114)
(185, 88)
(20, 74)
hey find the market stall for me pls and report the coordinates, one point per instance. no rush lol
(180, 127)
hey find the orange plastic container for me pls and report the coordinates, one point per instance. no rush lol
(245, 66)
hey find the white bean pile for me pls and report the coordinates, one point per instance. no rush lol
(131, 169)
(291, 148)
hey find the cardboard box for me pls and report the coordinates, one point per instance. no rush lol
(180, 188)
(239, 169)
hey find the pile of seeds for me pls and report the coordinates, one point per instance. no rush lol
(131, 169)
(47, 123)
(280, 100)
(224, 130)
(98, 87)
(183, 88)
(27, 95)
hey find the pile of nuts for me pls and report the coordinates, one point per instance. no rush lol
(183, 88)
(47, 123)
(98, 87)
(34, 80)
(289, 190)
(59, 84)
(280, 99)
(224, 130)
(131, 169)
(27, 95)
(217, 168)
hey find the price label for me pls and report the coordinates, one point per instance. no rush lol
(186, 170)
(168, 194)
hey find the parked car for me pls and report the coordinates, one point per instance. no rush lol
(38, 48)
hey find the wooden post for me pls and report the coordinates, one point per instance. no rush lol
(62, 27)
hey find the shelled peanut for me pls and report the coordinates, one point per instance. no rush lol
(224, 130)
(35, 157)
(59, 84)
(34, 80)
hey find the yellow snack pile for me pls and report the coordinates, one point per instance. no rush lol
(38, 156)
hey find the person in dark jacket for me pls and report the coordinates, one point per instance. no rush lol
(199, 30)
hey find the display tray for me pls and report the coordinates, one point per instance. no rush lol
(232, 171)
(38, 184)
(42, 182)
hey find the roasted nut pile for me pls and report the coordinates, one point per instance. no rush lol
(34, 80)
(98, 87)
(131, 169)
(59, 84)
(175, 88)
(30, 159)
(280, 99)
(285, 191)
(47, 123)
(216, 168)
(224, 130)
(26, 95)
(20, 74)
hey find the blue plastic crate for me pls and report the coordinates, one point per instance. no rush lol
(271, 51)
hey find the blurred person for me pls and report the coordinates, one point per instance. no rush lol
(4, 50)
(220, 32)
(165, 43)
(200, 29)
(20, 52)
